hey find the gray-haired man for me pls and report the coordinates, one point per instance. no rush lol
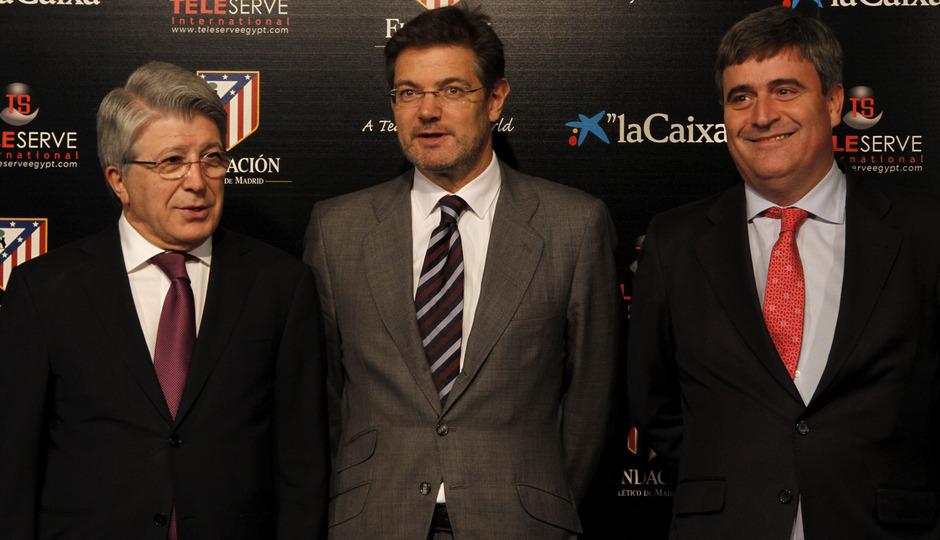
(162, 379)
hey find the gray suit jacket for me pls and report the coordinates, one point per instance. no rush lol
(523, 428)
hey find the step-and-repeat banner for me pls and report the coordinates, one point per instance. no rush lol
(615, 97)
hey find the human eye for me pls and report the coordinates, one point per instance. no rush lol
(214, 157)
(738, 100)
(453, 92)
(406, 94)
(786, 92)
(170, 163)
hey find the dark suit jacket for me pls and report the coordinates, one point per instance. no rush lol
(707, 385)
(522, 430)
(89, 448)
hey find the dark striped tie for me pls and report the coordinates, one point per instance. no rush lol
(439, 298)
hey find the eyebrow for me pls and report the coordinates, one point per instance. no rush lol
(784, 82)
(772, 84)
(183, 149)
(445, 82)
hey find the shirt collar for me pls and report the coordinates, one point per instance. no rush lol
(479, 194)
(826, 201)
(138, 250)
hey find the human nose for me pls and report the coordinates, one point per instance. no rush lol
(429, 106)
(764, 112)
(194, 179)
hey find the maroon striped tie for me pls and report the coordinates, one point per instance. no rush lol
(439, 298)
(176, 337)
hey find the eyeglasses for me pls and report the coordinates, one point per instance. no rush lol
(213, 165)
(410, 96)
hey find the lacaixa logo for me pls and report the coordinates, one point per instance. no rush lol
(583, 126)
(655, 128)
(54, 2)
(793, 3)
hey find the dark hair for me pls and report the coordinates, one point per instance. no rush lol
(768, 32)
(452, 25)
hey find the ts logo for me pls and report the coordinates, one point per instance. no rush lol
(861, 114)
(18, 108)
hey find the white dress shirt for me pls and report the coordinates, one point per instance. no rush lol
(474, 225)
(149, 284)
(821, 242)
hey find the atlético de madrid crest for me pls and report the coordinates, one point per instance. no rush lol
(434, 4)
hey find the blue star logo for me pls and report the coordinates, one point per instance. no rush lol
(797, 2)
(584, 125)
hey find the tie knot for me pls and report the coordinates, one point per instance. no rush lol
(173, 264)
(790, 218)
(451, 208)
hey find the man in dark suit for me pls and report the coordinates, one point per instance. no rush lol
(162, 379)
(470, 315)
(783, 341)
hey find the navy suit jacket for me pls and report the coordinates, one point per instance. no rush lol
(708, 387)
(90, 449)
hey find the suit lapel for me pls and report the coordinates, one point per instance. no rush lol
(388, 266)
(512, 257)
(231, 274)
(105, 280)
(870, 250)
(724, 253)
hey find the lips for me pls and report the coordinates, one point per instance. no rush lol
(431, 137)
(769, 139)
(195, 212)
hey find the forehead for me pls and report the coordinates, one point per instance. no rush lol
(174, 130)
(429, 65)
(784, 65)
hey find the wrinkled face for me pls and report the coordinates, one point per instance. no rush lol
(779, 123)
(443, 137)
(172, 214)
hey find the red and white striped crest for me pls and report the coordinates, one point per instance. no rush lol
(434, 4)
(21, 239)
(240, 92)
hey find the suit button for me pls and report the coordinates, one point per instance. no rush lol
(442, 430)
(785, 496)
(424, 488)
(802, 428)
(175, 441)
(160, 519)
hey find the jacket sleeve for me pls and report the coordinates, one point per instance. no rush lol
(303, 463)
(24, 380)
(652, 375)
(591, 350)
(315, 256)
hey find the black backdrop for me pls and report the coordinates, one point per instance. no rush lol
(323, 124)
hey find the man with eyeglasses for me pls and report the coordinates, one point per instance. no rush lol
(162, 379)
(470, 315)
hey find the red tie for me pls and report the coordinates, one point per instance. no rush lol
(176, 337)
(784, 294)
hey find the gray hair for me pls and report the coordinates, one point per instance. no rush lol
(770, 31)
(152, 90)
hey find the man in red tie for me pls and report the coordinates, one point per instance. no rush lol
(162, 379)
(783, 343)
